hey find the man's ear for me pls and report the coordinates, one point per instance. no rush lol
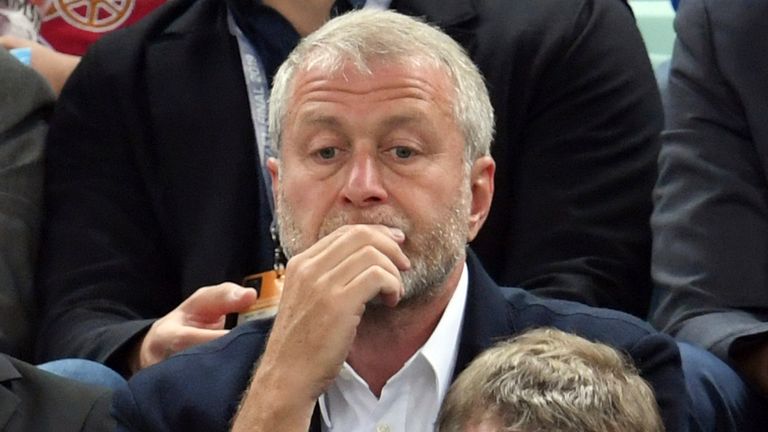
(481, 188)
(273, 165)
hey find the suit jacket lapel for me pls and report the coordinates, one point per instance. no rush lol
(486, 316)
(8, 401)
(203, 142)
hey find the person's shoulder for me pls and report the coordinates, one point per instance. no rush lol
(731, 17)
(237, 350)
(173, 18)
(528, 310)
(197, 389)
(736, 17)
(750, 10)
(54, 400)
(549, 13)
(120, 58)
(544, 31)
(26, 88)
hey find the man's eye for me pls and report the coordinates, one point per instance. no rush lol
(403, 152)
(327, 153)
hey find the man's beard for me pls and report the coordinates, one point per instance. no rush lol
(434, 247)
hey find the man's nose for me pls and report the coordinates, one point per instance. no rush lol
(364, 186)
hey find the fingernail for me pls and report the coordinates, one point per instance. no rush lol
(397, 233)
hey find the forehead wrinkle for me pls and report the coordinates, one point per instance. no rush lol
(412, 116)
(384, 78)
(315, 94)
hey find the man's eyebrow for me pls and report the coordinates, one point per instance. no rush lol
(315, 118)
(406, 119)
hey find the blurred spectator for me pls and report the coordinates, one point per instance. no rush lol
(25, 104)
(60, 31)
(710, 259)
(35, 400)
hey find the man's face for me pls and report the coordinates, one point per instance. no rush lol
(377, 149)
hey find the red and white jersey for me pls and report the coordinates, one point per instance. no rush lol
(71, 26)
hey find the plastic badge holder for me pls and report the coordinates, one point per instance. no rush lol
(269, 286)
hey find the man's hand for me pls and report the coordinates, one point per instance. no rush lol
(324, 296)
(199, 319)
(56, 67)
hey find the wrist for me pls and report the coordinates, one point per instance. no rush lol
(275, 401)
(134, 357)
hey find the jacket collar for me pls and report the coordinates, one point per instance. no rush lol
(190, 20)
(486, 316)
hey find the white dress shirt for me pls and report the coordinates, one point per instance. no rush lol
(411, 399)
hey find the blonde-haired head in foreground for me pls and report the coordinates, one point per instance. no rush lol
(549, 380)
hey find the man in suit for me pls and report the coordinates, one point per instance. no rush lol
(35, 400)
(26, 102)
(156, 184)
(710, 222)
(382, 126)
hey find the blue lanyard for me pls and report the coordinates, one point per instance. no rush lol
(258, 99)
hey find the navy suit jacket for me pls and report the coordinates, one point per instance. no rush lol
(199, 390)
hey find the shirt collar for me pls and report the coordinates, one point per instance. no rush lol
(440, 350)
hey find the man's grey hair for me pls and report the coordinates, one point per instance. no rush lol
(366, 36)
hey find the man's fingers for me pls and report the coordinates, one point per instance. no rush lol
(209, 304)
(364, 258)
(334, 248)
(376, 282)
